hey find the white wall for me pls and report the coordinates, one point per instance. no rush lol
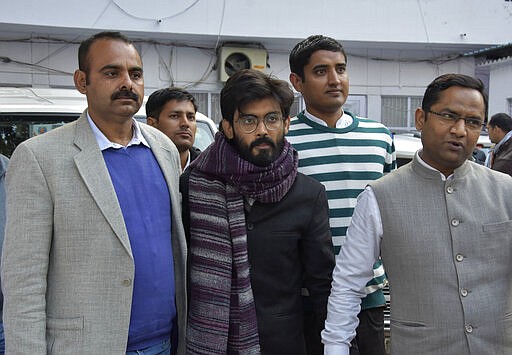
(423, 21)
(500, 87)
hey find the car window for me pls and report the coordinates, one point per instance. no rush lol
(204, 135)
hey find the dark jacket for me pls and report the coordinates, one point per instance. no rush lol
(194, 153)
(503, 158)
(289, 247)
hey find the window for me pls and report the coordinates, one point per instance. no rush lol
(208, 103)
(17, 127)
(398, 111)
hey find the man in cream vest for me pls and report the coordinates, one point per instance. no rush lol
(442, 225)
(94, 254)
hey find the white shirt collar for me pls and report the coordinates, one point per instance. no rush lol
(188, 160)
(343, 122)
(105, 143)
(422, 162)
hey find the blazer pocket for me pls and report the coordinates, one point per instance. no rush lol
(65, 336)
(500, 227)
(76, 323)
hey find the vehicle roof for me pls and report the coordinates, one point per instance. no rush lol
(25, 100)
(29, 100)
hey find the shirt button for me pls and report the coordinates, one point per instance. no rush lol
(127, 282)
(459, 257)
(455, 222)
(250, 226)
(469, 328)
(449, 189)
(463, 292)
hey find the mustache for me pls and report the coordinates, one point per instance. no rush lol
(262, 140)
(125, 95)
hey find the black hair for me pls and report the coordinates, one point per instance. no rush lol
(249, 85)
(501, 120)
(302, 52)
(159, 98)
(445, 81)
(83, 50)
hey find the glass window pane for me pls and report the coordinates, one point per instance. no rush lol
(394, 111)
(295, 108)
(202, 101)
(216, 115)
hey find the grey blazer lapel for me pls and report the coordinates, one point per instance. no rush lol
(91, 167)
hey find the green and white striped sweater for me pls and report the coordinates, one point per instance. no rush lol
(345, 160)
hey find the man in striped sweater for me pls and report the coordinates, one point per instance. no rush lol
(344, 152)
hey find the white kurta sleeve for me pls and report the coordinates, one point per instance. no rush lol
(354, 268)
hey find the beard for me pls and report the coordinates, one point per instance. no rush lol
(264, 157)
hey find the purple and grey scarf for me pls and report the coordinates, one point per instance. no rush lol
(222, 315)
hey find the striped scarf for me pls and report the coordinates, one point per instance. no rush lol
(222, 315)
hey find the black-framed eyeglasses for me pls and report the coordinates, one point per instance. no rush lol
(470, 122)
(248, 123)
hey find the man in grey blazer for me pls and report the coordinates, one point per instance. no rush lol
(94, 254)
(442, 225)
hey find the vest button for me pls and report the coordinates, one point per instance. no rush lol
(463, 292)
(449, 189)
(250, 226)
(469, 328)
(459, 257)
(455, 222)
(127, 282)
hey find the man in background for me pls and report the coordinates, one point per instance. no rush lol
(500, 133)
(173, 111)
(345, 153)
(259, 230)
(441, 225)
(94, 257)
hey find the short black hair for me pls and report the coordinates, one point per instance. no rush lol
(249, 85)
(446, 81)
(159, 98)
(83, 50)
(302, 52)
(501, 120)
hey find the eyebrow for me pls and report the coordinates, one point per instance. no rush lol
(320, 66)
(456, 113)
(182, 111)
(251, 114)
(110, 66)
(117, 67)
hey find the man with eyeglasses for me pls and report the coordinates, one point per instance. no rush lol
(258, 230)
(442, 226)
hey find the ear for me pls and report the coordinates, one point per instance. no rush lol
(419, 118)
(286, 125)
(228, 129)
(296, 82)
(151, 121)
(80, 79)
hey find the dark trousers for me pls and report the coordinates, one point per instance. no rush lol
(369, 338)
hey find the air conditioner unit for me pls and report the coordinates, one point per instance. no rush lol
(233, 59)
